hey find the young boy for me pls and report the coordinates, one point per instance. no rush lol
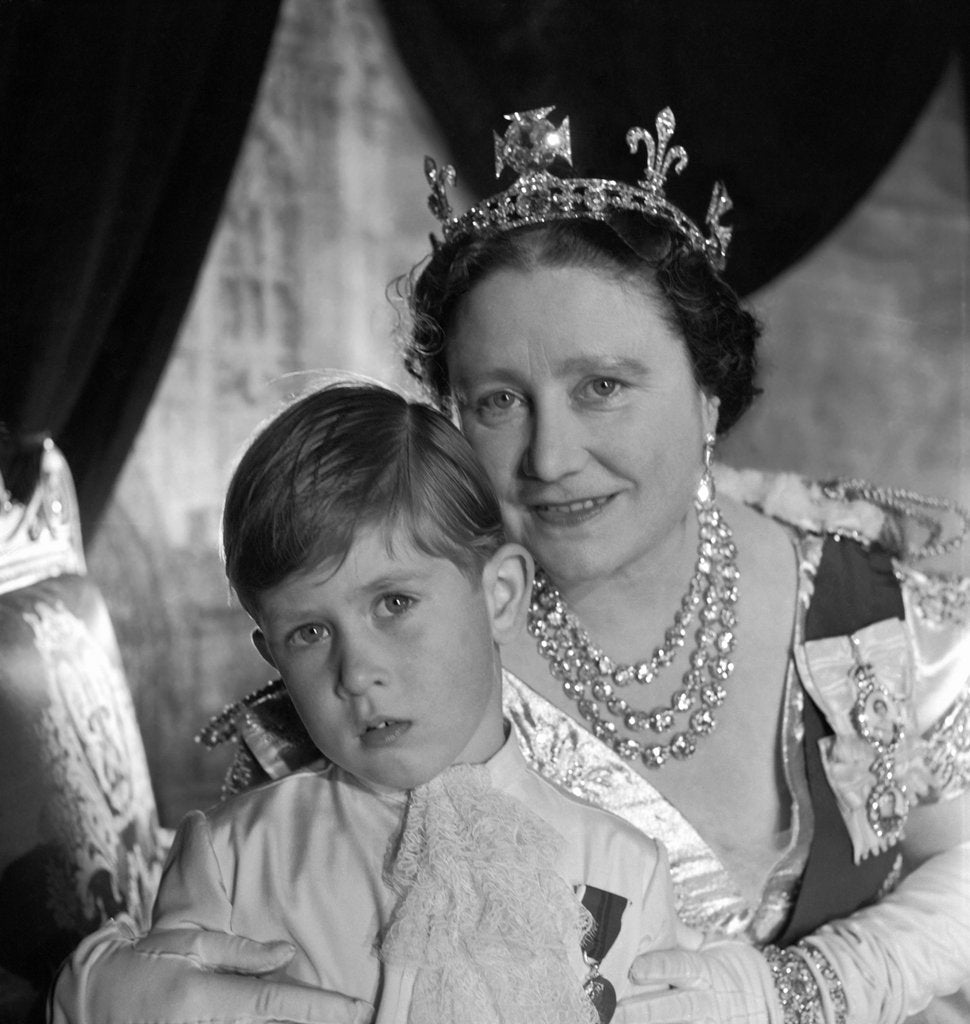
(421, 867)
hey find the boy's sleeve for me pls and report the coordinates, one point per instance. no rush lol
(660, 926)
(650, 919)
(190, 968)
(188, 976)
(192, 892)
(104, 977)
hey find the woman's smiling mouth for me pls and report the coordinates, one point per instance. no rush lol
(570, 513)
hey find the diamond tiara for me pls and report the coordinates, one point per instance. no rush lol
(532, 143)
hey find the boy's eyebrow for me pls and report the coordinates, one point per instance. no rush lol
(392, 578)
(385, 581)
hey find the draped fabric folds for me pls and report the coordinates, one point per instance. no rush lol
(796, 107)
(121, 120)
(120, 123)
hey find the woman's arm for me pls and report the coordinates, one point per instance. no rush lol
(879, 965)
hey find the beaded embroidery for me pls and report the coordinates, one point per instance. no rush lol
(948, 749)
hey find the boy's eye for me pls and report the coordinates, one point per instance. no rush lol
(395, 604)
(311, 633)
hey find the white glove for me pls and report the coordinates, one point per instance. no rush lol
(894, 957)
(891, 960)
(724, 982)
(188, 976)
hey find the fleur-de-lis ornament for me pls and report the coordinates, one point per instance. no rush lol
(660, 159)
(439, 181)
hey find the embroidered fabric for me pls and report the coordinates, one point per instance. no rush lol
(937, 600)
(938, 624)
(948, 749)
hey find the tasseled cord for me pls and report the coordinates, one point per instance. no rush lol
(482, 915)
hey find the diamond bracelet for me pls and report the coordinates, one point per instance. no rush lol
(800, 991)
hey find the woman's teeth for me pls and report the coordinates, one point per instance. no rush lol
(567, 508)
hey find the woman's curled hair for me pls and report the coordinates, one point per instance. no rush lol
(720, 335)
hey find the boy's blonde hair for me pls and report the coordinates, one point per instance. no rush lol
(347, 456)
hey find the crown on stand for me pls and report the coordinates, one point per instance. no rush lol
(529, 147)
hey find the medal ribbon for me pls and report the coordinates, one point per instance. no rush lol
(606, 909)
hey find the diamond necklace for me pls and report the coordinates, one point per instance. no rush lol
(593, 679)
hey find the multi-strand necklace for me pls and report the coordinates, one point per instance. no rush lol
(597, 683)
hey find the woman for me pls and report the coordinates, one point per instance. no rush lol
(582, 334)
(756, 671)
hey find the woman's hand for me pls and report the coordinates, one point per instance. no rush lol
(722, 982)
(188, 976)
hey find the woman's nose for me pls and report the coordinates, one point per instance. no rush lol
(555, 447)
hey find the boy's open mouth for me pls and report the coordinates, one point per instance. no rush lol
(383, 731)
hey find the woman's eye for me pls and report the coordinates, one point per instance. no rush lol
(601, 388)
(500, 400)
(395, 604)
(497, 405)
(312, 633)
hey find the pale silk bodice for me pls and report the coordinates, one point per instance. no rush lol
(706, 895)
(928, 654)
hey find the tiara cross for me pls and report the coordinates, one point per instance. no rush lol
(531, 142)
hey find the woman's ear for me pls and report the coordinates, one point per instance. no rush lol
(259, 642)
(507, 580)
(710, 409)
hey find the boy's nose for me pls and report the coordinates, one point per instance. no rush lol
(358, 673)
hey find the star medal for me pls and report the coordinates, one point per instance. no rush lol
(599, 991)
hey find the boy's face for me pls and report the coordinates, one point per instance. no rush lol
(391, 660)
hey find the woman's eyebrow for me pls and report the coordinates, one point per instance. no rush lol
(602, 364)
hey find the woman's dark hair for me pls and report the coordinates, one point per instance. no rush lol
(720, 335)
(346, 457)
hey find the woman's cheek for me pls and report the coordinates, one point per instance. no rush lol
(496, 449)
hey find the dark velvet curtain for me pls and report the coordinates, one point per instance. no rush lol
(120, 123)
(796, 107)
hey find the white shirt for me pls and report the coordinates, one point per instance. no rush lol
(302, 859)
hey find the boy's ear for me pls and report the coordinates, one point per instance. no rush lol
(259, 642)
(507, 579)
